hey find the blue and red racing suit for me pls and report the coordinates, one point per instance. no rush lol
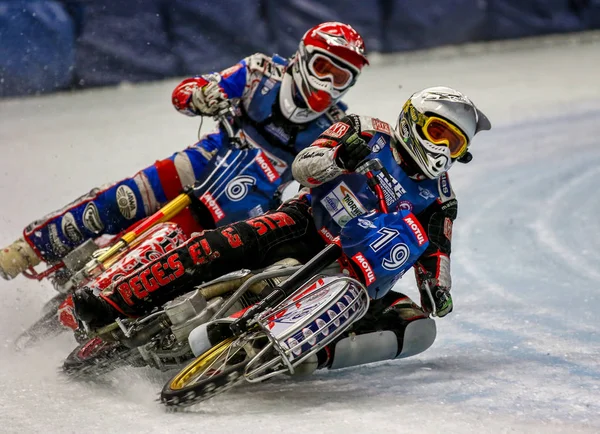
(380, 247)
(417, 228)
(233, 184)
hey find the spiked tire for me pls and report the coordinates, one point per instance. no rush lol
(97, 357)
(214, 372)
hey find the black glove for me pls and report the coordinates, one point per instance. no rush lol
(351, 152)
(435, 298)
(441, 299)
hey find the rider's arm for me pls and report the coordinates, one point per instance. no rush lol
(433, 267)
(324, 159)
(232, 82)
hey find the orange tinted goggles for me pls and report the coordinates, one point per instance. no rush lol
(324, 67)
(441, 132)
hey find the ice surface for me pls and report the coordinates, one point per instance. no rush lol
(519, 354)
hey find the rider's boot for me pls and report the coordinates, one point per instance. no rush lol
(95, 311)
(17, 257)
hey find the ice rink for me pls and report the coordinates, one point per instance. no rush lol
(520, 352)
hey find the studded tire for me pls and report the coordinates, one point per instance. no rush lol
(199, 380)
(97, 357)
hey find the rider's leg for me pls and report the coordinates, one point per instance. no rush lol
(107, 210)
(254, 243)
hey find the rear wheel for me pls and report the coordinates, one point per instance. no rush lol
(217, 370)
(97, 357)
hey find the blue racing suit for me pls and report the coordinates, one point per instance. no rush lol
(233, 184)
(407, 224)
(380, 246)
(416, 228)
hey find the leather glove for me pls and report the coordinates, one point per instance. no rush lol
(351, 152)
(442, 301)
(210, 99)
(435, 298)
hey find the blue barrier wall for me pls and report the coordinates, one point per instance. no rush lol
(290, 19)
(520, 18)
(62, 44)
(211, 36)
(37, 47)
(123, 41)
(410, 26)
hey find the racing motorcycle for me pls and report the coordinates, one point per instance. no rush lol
(309, 310)
(162, 339)
(102, 262)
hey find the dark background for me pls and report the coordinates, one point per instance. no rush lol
(53, 45)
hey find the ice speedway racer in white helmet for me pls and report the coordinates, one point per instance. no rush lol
(371, 209)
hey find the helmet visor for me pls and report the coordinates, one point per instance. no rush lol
(441, 132)
(323, 67)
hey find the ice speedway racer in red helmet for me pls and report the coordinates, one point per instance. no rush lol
(274, 107)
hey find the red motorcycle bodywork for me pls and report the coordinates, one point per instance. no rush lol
(161, 239)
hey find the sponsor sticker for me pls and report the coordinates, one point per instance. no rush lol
(342, 204)
(445, 189)
(405, 205)
(337, 130)
(382, 127)
(91, 218)
(448, 228)
(127, 202)
(326, 234)
(70, 229)
(379, 144)
(426, 194)
(392, 189)
(212, 206)
(350, 201)
(57, 245)
(256, 211)
(365, 268)
(267, 168)
(404, 129)
(417, 229)
(366, 224)
(331, 203)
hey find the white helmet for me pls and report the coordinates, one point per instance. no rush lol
(435, 128)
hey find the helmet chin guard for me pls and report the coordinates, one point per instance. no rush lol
(329, 59)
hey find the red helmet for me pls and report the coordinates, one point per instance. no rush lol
(328, 62)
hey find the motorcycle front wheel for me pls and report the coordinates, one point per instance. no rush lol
(213, 372)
